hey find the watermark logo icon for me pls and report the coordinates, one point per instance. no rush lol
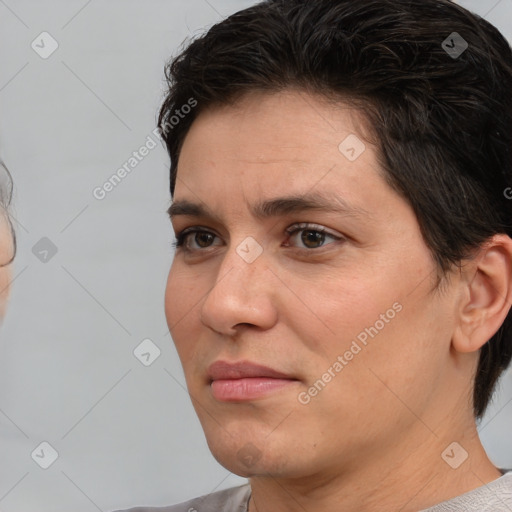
(147, 352)
(44, 45)
(249, 250)
(352, 147)
(248, 455)
(454, 45)
(44, 455)
(454, 455)
(44, 250)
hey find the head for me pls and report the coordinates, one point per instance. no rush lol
(360, 105)
(7, 239)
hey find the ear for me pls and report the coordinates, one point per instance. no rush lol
(486, 283)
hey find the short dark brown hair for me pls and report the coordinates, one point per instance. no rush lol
(442, 119)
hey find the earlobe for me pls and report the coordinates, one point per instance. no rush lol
(487, 295)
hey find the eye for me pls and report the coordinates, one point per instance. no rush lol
(303, 236)
(310, 236)
(201, 239)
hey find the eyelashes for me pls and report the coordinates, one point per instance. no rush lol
(316, 229)
(183, 237)
(313, 237)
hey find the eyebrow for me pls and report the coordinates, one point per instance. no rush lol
(276, 207)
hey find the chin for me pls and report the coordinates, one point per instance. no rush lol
(248, 461)
(251, 454)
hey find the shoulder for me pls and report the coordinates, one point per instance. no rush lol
(495, 496)
(228, 500)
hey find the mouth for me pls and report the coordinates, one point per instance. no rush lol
(241, 381)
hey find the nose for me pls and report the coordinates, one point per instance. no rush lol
(242, 295)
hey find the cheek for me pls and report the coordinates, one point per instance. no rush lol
(385, 330)
(173, 292)
(338, 311)
(181, 295)
(6, 253)
(402, 360)
(182, 309)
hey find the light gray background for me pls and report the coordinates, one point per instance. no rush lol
(125, 433)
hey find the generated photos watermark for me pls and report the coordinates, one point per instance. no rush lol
(101, 191)
(304, 397)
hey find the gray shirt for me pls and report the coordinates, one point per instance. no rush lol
(493, 497)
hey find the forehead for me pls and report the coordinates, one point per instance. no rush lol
(286, 139)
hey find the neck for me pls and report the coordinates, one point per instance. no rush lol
(409, 476)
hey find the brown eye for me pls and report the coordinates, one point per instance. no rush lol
(312, 239)
(204, 239)
(195, 239)
(312, 236)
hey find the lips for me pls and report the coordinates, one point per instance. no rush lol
(221, 370)
(245, 381)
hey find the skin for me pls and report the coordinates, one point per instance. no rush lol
(372, 438)
(6, 250)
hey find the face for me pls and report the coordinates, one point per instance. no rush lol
(6, 251)
(298, 257)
